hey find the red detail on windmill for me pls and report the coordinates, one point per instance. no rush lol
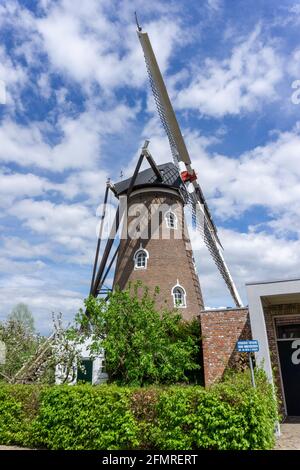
(186, 176)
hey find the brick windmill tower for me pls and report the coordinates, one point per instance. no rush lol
(154, 244)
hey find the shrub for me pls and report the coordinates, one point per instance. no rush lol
(229, 415)
(19, 405)
(142, 345)
(85, 417)
(10, 417)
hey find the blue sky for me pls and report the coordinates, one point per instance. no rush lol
(78, 108)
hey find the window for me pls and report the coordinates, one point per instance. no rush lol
(140, 259)
(290, 331)
(179, 296)
(103, 367)
(171, 220)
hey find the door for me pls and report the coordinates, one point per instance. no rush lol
(288, 340)
(85, 371)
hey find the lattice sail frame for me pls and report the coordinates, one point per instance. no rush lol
(196, 200)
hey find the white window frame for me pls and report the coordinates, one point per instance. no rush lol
(167, 219)
(141, 249)
(178, 286)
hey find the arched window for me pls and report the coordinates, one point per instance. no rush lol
(179, 296)
(171, 220)
(140, 259)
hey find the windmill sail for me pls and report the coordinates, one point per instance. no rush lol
(180, 153)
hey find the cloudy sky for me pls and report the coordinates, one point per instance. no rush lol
(78, 108)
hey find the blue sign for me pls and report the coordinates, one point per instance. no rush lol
(247, 345)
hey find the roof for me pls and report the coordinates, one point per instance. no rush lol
(274, 281)
(146, 178)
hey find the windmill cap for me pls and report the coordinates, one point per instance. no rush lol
(147, 178)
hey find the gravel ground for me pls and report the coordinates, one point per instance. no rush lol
(12, 448)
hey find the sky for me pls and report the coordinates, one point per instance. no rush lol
(78, 108)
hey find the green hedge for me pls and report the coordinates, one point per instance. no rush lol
(229, 415)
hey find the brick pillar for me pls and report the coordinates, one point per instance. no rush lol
(221, 329)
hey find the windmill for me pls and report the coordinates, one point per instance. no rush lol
(180, 182)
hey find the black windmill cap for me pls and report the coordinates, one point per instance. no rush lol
(147, 178)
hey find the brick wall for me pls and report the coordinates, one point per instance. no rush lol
(170, 255)
(220, 330)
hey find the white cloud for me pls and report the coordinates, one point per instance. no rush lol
(82, 42)
(214, 5)
(79, 145)
(15, 186)
(240, 83)
(26, 145)
(57, 220)
(43, 295)
(266, 176)
(90, 183)
(294, 63)
(2, 92)
(12, 75)
(17, 248)
(251, 257)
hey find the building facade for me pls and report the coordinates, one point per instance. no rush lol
(273, 319)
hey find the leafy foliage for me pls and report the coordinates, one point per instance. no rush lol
(11, 417)
(84, 417)
(229, 415)
(142, 345)
(19, 406)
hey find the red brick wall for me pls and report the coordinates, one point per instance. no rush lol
(170, 259)
(220, 330)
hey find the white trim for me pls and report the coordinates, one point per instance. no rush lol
(138, 268)
(184, 295)
(255, 292)
(155, 189)
(170, 212)
(276, 281)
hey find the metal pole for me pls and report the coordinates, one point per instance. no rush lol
(252, 370)
(106, 252)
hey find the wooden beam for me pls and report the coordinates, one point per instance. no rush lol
(99, 237)
(154, 166)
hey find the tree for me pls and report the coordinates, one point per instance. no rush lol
(141, 345)
(36, 357)
(20, 344)
(21, 314)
